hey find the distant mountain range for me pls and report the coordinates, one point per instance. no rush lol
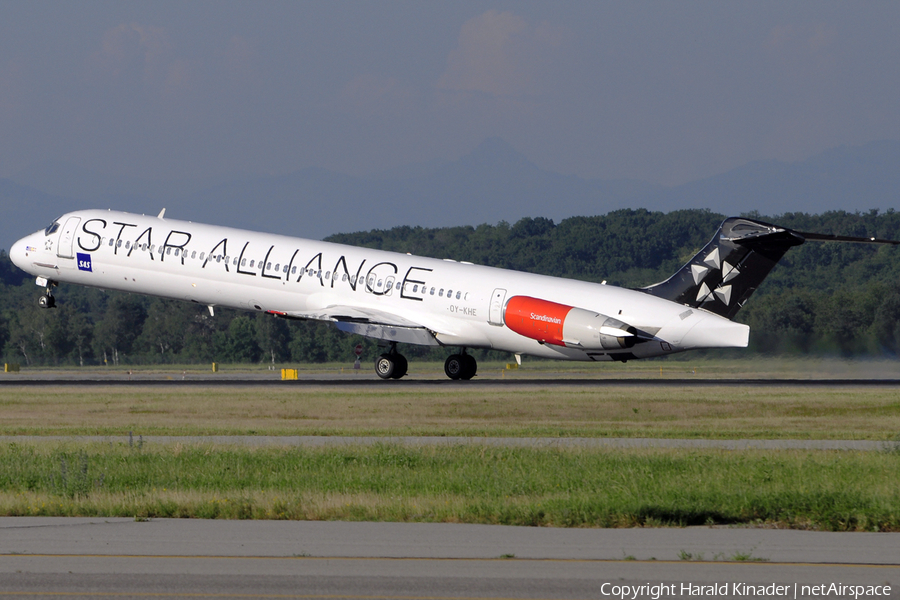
(491, 184)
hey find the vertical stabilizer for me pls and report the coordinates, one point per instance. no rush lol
(722, 276)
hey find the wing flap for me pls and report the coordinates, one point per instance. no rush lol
(353, 314)
(370, 323)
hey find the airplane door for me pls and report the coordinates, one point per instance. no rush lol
(495, 316)
(64, 249)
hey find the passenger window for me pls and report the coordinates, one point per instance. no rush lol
(127, 245)
(415, 288)
(294, 271)
(380, 283)
(441, 293)
(194, 254)
(457, 295)
(399, 284)
(432, 291)
(277, 267)
(285, 269)
(268, 265)
(169, 250)
(252, 263)
(449, 293)
(111, 241)
(344, 277)
(243, 262)
(234, 263)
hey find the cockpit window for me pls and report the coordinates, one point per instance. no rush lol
(52, 228)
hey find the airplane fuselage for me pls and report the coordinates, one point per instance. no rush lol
(387, 295)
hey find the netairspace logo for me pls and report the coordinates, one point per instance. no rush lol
(84, 262)
(743, 590)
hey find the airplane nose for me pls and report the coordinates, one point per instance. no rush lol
(19, 252)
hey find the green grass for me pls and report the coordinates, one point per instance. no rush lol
(783, 412)
(838, 491)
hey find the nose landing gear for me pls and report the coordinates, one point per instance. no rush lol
(460, 366)
(46, 300)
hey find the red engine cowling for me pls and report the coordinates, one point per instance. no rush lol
(563, 325)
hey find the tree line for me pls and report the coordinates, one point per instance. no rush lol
(822, 298)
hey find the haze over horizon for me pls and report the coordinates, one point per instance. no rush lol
(666, 94)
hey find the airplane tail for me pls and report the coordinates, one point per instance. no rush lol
(723, 275)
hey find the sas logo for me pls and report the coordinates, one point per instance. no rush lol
(84, 262)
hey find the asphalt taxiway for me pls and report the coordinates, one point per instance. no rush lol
(171, 558)
(367, 380)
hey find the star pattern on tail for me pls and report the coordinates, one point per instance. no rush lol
(714, 261)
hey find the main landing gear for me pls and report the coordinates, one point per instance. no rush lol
(391, 364)
(460, 366)
(47, 300)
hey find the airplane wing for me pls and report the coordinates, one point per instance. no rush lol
(370, 323)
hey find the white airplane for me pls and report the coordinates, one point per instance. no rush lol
(400, 298)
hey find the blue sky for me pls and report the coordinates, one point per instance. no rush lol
(664, 92)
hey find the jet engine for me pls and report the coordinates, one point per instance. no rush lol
(562, 325)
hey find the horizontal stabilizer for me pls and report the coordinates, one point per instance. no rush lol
(827, 237)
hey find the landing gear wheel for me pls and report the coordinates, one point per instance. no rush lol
(46, 301)
(460, 366)
(470, 367)
(400, 366)
(391, 365)
(385, 366)
(454, 366)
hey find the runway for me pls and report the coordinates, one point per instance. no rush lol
(122, 558)
(366, 380)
